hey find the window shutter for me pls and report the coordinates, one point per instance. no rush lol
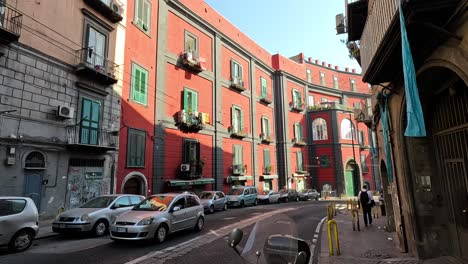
(136, 84)
(293, 96)
(299, 98)
(185, 102)
(266, 158)
(267, 124)
(233, 118)
(263, 125)
(240, 71)
(242, 120)
(146, 15)
(233, 74)
(143, 87)
(299, 126)
(195, 101)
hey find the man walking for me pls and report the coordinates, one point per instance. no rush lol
(365, 200)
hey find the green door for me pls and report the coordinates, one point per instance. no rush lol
(349, 183)
(90, 119)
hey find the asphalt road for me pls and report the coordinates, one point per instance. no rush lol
(208, 246)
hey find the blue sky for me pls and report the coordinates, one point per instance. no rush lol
(291, 27)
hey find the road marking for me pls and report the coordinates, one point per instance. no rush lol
(228, 218)
(214, 233)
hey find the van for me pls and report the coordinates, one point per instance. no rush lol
(242, 195)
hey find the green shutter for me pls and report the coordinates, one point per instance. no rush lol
(293, 96)
(299, 126)
(185, 100)
(241, 120)
(264, 87)
(266, 158)
(233, 74)
(299, 98)
(233, 115)
(240, 71)
(195, 101)
(143, 87)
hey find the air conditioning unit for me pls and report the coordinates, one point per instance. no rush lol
(184, 167)
(181, 117)
(65, 111)
(116, 7)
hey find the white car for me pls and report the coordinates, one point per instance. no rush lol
(18, 223)
(268, 197)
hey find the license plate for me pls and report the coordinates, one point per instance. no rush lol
(121, 229)
(62, 226)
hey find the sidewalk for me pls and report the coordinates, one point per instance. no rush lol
(45, 229)
(371, 245)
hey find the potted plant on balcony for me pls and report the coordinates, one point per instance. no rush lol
(244, 169)
(268, 170)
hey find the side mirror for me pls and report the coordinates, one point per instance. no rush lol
(235, 238)
(215, 198)
(175, 209)
(115, 206)
(301, 258)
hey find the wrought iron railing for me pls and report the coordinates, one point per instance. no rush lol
(190, 119)
(86, 135)
(10, 20)
(88, 58)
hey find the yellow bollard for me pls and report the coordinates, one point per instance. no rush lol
(331, 223)
(329, 212)
(355, 218)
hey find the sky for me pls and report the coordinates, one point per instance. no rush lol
(290, 27)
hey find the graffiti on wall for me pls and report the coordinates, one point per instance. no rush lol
(84, 184)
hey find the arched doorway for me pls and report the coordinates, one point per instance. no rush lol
(352, 181)
(135, 183)
(34, 165)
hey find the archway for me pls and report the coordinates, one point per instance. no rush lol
(352, 179)
(135, 183)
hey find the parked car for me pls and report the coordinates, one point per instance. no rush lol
(95, 215)
(159, 215)
(242, 196)
(269, 197)
(287, 195)
(308, 194)
(213, 200)
(19, 222)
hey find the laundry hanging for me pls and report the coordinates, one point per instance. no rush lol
(385, 128)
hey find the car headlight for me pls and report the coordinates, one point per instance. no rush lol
(146, 221)
(84, 218)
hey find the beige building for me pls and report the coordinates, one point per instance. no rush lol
(427, 190)
(60, 88)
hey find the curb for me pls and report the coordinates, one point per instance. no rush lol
(46, 236)
(316, 240)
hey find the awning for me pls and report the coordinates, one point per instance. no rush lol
(268, 177)
(301, 174)
(200, 181)
(238, 178)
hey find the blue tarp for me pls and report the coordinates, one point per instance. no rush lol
(415, 119)
(385, 129)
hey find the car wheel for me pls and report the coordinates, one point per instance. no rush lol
(212, 210)
(286, 200)
(307, 198)
(316, 198)
(100, 228)
(225, 207)
(200, 223)
(160, 234)
(256, 202)
(242, 204)
(21, 241)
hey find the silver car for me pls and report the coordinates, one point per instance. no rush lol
(213, 200)
(308, 194)
(159, 215)
(19, 223)
(95, 215)
(268, 197)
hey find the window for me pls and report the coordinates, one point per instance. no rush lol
(191, 43)
(90, 122)
(191, 151)
(179, 203)
(361, 137)
(266, 159)
(265, 126)
(299, 161)
(237, 157)
(297, 98)
(135, 200)
(11, 206)
(347, 129)
(322, 78)
(298, 131)
(220, 194)
(143, 15)
(122, 202)
(97, 46)
(35, 160)
(309, 75)
(353, 85)
(139, 89)
(319, 129)
(236, 71)
(136, 148)
(363, 164)
(356, 105)
(310, 100)
(263, 82)
(190, 101)
(192, 201)
(336, 84)
(324, 161)
(237, 119)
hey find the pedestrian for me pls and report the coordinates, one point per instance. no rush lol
(365, 200)
(382, 205)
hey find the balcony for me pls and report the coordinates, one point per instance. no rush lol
(300, 142)
(95, 67)
(191, 121)
(266, 100)
(11, 22)
(297, 106)
(237, 84)
(110, 9)
(237, 132)
(266, 139)
(239, 169)
(362, 116)
(363, 146)
(328, 106)
(81, 137)
(301, 171)
(191, 62)
(268, 170)
(380, 43)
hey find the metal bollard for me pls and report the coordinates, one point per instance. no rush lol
(329, 212)
(331, 223)
(355, 219)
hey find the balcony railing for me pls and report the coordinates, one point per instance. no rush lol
(11, 22)
(267, 139)
(299, 142)
(328, 106)
(79, 135)
(297, 106)
(268, 170)
(96, 67)
(193, 121)
(237, 132)
(111, 9)
(192, 62)
(266, 100)
(238, 169)
(237, 84)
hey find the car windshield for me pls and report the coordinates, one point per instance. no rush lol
(283, 191)
(236, 192)
(206, 195)
(154, 203)
(265, 192)
(99, 202)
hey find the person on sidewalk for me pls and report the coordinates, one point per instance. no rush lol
(365, 200)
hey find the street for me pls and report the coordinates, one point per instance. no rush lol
(208, 246)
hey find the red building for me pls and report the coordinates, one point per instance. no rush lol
(225, 112)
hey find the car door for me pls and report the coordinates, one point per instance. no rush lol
(193, 207)
(218, 202)
(248, 196)
(178, 218)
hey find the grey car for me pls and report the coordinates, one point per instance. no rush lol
(213, 200)
(95, 215)
(19, 223)
(159, 215)
(308, 194)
